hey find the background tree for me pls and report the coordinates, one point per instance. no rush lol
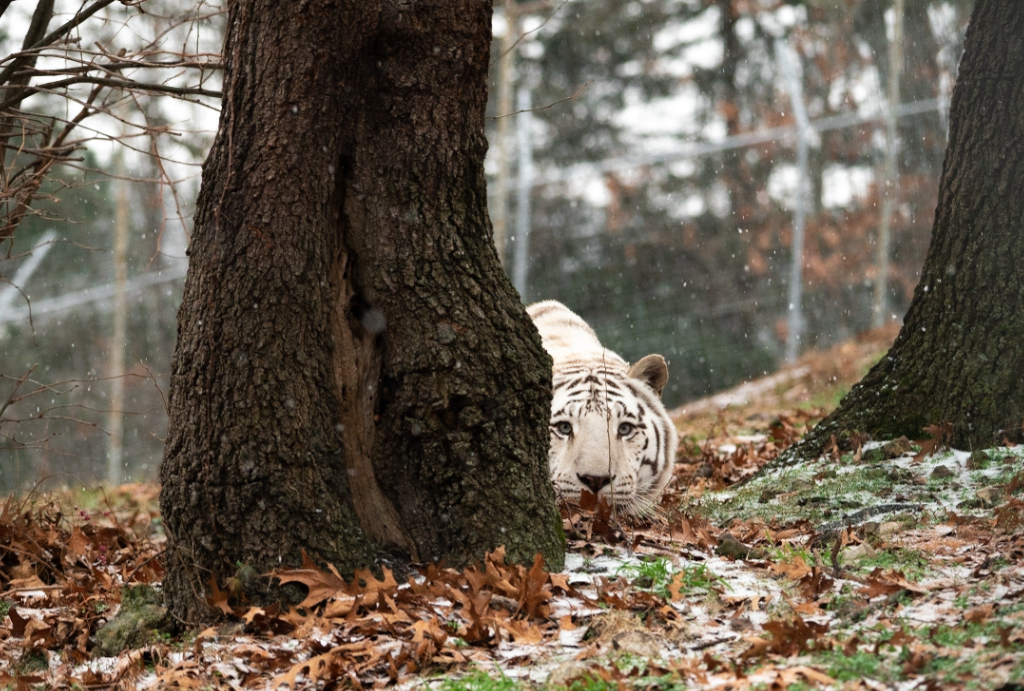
(690, 257)
(959, 358)
(81, 86)
(353, 369)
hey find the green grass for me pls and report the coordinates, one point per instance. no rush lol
(657, 575)
(700, 577)
(912, 563)
(31, 662)
(592, 683)
(479, 680)
(654, 575)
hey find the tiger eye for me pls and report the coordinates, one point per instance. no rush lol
(564, 428)
(626, 429)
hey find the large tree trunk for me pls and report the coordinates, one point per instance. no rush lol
(960, 355)
(353, 370)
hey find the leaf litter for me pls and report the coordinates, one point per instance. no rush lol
(816, 577)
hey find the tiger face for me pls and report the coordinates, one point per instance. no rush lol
(610, 434)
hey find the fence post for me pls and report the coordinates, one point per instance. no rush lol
(524, 183)
(115, 365)
(789, 64)
(891, 174)
(508, 44)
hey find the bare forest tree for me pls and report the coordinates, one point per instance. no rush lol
(957, 366)
(34, 142)
(79, 79)
(354, 371)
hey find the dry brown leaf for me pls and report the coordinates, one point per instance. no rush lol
(372, 586)
(340, 606)
(30, 583)
(534, 593)
(788, 638)
(561, 581)
(795, 569)
(78, 543)
(808, 609)
(523, 631)
(218, 598)
(979, 615)
(889, 582)
(321, 584)
(313, 669)
(801, 674)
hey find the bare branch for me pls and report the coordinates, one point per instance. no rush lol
(127, 85)
(574, 97)
(17, 385)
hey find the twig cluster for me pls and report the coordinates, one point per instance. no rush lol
(55, 82)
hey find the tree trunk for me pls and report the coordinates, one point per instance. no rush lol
(960, 355)
(353, 370)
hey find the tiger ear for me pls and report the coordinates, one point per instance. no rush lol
(651, 370)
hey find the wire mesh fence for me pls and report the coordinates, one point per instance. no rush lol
(659, 190)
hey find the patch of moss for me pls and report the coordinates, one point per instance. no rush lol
(31, 662)
(821, 492)
(480, 681)
(912, 563)
(142, 620)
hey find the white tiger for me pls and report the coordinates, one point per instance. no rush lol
(610, 433)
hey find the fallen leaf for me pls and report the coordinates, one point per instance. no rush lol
(801, 674)
(321, 584)
(796, 568)
(979, 615)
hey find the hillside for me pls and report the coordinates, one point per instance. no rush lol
(887, 568)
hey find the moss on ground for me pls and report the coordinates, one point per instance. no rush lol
(141, 620)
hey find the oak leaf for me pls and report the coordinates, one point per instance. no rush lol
(979, 615)
(801, 674)
(321, 584)
(372, 586)
(218, 598)
(796, 568)
(313, 669)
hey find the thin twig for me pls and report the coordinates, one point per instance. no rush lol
(574, 97)
(531, 31)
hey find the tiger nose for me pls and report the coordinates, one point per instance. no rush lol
(595, 482)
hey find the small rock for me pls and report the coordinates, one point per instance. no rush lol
(919, 480)
(729, 546)
(505, 603)
(896, 448)
(741, 624)
(868, 529)
(131, 629)
(567, 671)
(136, 624)
(639, 643)
(941, 472)
(897, 475)
(977, 460)
(890, 528)
(858, 552)
(990, 496)
(768, 495)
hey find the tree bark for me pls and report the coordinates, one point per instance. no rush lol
(959, 358)
(353, 370)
